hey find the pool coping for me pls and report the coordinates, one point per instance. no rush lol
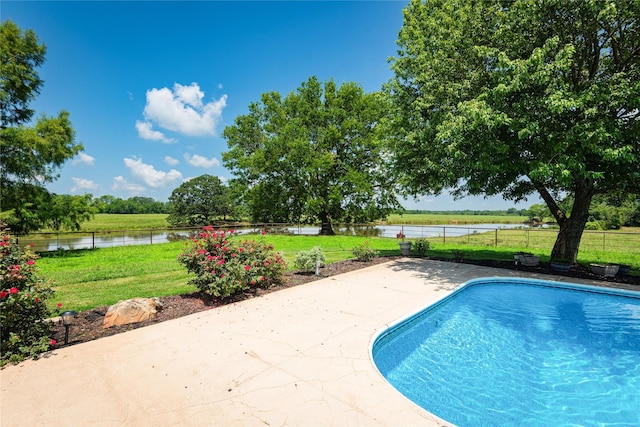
(299, 356)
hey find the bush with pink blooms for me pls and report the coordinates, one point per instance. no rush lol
(224, 265)
(23, 310)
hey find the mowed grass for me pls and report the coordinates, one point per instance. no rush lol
(87, 279)
(105, 222)
(435, 219)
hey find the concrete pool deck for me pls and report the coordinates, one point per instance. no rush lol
(296, 357)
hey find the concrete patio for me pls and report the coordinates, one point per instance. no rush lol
(297, 357)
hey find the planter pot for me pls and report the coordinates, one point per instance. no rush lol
(624, 269)
(405, 248)
(605, 270)
(561, 267)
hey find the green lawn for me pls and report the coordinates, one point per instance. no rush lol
(86, 279)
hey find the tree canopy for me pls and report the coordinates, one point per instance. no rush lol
(520, 97)
(200, 201)
(314, 155)
(30, 156)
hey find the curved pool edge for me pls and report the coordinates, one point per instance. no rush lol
(473, 282)
(391, 326)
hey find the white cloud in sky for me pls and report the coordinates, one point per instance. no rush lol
(150, 176)
(120, 183)
(145, 132)
(84, 159)
(171, 161)
(201, 161)
(83, 184)
(182, 110)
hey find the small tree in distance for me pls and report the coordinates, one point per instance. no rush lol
(200, 201)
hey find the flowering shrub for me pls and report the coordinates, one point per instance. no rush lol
(306, 260)
(23, 309)
(224, 267)
(364, 252)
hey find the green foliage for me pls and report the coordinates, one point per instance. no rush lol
(314, 155)
(30, 156)
(519, 97)
(306, 260)
(200, 201)
(23, 309)
(132, 205)
(225, 267)
(421, 247)
(364, 252)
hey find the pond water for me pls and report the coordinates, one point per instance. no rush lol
(84, 240)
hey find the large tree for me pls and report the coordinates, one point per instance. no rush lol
(314, 155)
(30, 154)
(520, 97)
(200, 201)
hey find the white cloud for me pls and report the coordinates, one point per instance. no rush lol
(150, 176)
(84, 159)
(119, 183)
(182, 110)
(83, 184)
(171, 161)
(201, 161)
(145, 132)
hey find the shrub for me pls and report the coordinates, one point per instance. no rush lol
(363, 252)
(306, 260)
(421, 247)
(224, 267)
(23, 310)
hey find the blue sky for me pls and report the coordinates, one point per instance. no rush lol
(151, 85)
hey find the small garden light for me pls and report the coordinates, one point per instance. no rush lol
(67, 320)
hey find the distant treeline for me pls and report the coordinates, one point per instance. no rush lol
(132, 205)
(508, 212)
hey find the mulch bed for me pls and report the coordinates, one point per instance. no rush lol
(88, 324)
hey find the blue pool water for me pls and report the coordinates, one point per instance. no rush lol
(520, 352)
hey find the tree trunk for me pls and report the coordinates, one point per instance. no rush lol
(327, 228)
(571, 228)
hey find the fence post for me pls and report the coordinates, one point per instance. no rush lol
(151, 237)
(604, 235)
(93, 240)
(444, 235)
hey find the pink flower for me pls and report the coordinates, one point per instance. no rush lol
(31, 262)
(263, 232)
(247, 267)
(3, 294)
(3, 243)
(221, 262)
(241, 249)
(59, 304)
(262, 278)
(13, 290)
(53, 342)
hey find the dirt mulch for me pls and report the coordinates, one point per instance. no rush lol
(88, 324)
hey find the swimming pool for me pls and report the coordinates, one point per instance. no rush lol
(502, 351)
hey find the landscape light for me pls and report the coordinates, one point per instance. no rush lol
(67, 320)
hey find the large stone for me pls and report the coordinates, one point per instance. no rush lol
(131, 311)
